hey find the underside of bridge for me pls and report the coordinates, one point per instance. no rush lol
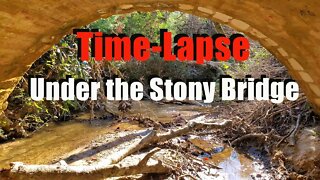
(288, 29)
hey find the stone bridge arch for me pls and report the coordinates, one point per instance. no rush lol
(288, 29)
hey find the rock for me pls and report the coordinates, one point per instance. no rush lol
(305, 155)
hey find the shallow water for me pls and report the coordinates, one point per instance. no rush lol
(51, 142)
(163, 112)
(235, 165)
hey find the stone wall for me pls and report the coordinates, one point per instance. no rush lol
(288, 29)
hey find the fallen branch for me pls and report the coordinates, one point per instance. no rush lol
(118, 156)
(62, 171)
(195, 124)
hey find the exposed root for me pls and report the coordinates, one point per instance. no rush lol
(256, 137)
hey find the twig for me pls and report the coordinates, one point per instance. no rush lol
(144, 161)
(292, 136)
(284, 138)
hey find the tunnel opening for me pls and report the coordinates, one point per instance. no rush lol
(136, 70)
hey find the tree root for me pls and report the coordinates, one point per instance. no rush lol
(257, 137)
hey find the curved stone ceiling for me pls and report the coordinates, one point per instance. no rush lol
(288, 29)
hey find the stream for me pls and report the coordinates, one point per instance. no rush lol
(58, 139)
